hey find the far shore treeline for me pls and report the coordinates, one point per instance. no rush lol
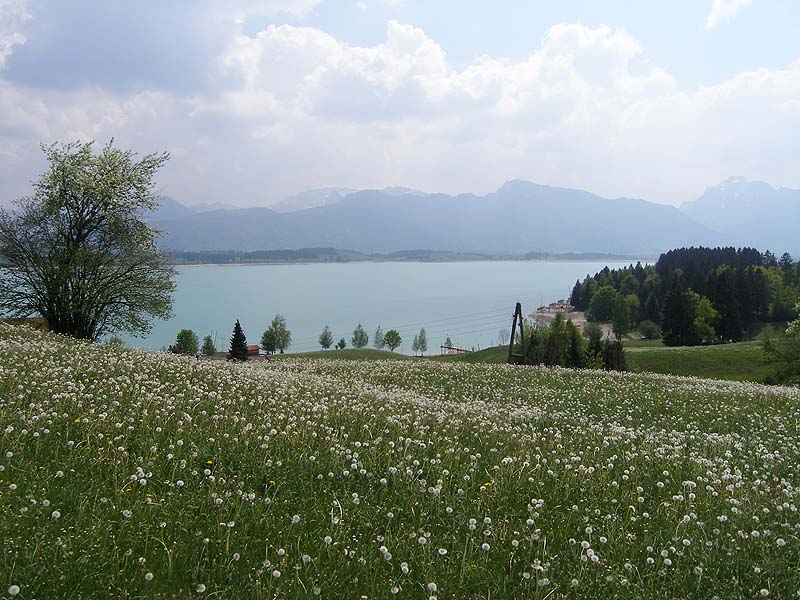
(222, 257)
(694, 296)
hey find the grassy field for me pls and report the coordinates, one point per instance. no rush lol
(744, 361)
(139, 475)
(346, 354)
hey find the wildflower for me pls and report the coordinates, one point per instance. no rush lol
(295, 519)
(13, 590)
(148, 576)
(201, 588)
(55, 514)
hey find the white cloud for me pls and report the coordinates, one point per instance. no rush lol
(290, 108)
(724, 10)
(242, 9)
(13, 15)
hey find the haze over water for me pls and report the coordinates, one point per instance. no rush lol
(469, 301)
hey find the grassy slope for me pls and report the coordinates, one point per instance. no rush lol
(118, 464)
(744, 361)
(346, 354)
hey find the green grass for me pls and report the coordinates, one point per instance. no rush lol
(131, 474)
(743, 361)
(346, 354)
(495, 356)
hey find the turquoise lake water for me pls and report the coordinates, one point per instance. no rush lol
(469, 301)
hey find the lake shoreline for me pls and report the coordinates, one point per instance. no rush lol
(644, 261)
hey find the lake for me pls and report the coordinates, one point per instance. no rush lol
(469, 301)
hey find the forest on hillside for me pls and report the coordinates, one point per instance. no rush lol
(694, 296)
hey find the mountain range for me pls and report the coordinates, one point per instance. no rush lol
(519, 217)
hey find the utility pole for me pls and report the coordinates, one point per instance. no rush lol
(521, 359)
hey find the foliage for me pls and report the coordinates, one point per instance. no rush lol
(341, 344)
(620, 320)
(78, 251)
(208, 348)
(392, 339)
(277, 336)
(744, 287)
(422, 341)
(649, 330)
(603, 304)
(238, 348)
(785, 352)
(680, 313)
(360, 338)
(326, 338)
(415, 344)
(268, 341)
(377, 339)
(186, 342)
(559, 343)
(244, 473)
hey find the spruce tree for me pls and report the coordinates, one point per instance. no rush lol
(652, 308)
(208, 348)
(679, 313)
(378, 340)
(238, 349)
(360, 338)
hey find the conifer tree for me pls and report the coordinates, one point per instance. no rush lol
(360, 338)
(422, 341)
(679, 313)
(238, 350)
(378, 340)
(208, 348)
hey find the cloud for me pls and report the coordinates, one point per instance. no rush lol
(724, 10)
(291, 107)
(13, 16)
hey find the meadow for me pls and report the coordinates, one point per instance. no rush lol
(133, 474)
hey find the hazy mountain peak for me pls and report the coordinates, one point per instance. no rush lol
(395, 190)
(750, 212)
(514, 186)
(312, 199)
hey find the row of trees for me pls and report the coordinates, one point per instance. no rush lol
(561, 343)
(694, 295)
(278, 338)
(380, 340)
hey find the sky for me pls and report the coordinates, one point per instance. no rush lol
(259, 99)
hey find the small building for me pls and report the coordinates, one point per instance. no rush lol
(253, 350)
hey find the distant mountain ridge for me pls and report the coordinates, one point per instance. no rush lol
(750, 212)
(518, 218)
(328, 196)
